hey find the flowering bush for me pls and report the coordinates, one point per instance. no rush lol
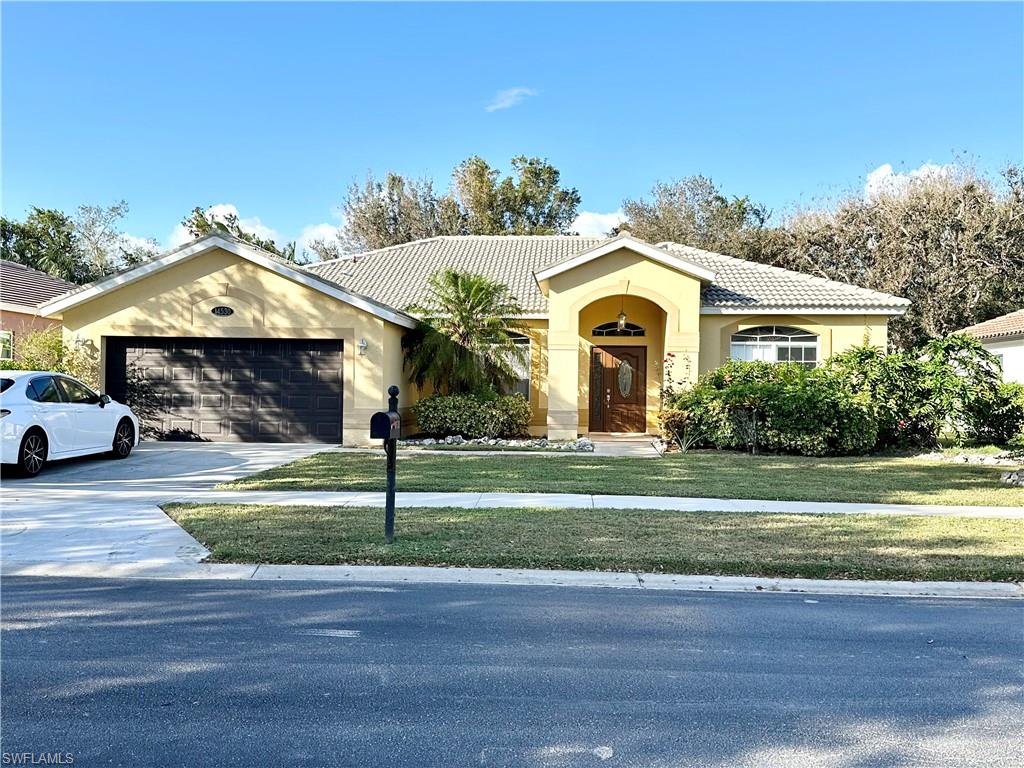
(477, 415)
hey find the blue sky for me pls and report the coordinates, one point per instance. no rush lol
(276, 108)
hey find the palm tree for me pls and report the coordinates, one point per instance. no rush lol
(465, 340)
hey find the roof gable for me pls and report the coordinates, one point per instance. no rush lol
(241, 249)
(627, 242)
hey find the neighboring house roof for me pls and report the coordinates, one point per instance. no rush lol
(240, 248)
(398, 275)
(998, 327)
(25, 287)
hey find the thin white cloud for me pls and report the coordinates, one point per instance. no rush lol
(324, 231)
(884, 181)
(509, 97)
(133, 242)
(591, 224)
(180, 234)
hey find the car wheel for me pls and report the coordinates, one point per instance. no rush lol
(124, 440)
(32, 455)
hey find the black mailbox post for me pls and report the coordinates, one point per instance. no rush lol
(387, 426)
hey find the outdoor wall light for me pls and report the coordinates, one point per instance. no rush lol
(622, 308)
(363, 344)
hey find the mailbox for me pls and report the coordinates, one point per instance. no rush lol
(385, 425)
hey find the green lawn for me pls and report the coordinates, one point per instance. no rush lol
(812, 546)
(704, 474)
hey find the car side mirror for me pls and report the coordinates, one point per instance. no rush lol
(104, 399)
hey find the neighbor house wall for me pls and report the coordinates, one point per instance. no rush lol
(176, 302)
(1011, 354)
(836, 333)
(22, 321)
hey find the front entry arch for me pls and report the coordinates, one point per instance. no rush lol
(618, 389)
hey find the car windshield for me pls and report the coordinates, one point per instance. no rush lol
(6, 384)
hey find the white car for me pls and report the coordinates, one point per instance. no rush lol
(45, 415)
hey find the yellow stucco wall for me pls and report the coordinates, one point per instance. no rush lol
(621, 272)
(836, 333)
(666, 302)
(176, 302)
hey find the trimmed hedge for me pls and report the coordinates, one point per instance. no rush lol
(480, 415)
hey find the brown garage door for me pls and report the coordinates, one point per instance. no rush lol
(273, 390)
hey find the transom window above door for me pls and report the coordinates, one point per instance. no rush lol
(612, 329)
(775, 344)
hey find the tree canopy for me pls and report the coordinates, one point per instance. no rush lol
(202, 222)
(480, 201)
(951, 242)
(79, 248)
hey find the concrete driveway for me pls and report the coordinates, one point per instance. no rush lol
(98, 510)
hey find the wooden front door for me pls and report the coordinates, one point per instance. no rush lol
(618, 389)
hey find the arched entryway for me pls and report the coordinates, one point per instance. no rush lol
(622, 342)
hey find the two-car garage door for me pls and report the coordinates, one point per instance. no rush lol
(272, 390)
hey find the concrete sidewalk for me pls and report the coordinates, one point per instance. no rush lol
(585, 501)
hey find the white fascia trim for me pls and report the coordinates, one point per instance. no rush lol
(652, 253)
(250, 254)
(22, 309)
(893, 311)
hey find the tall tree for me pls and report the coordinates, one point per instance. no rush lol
(202, 221)
(529, 202)
(46, 240)
(104, 247)
(395, 210)
(465, 340)
(694, 212)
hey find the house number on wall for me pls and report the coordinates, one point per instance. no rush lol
(223, 311)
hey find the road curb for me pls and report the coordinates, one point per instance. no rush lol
(519, 577)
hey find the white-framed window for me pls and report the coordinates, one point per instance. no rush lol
(521, 385)
(6, 345)
(612, 329)
(775, 344)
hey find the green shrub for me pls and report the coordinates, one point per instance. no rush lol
(478, 415)
(779, 408)
(45, 350)
(1001, 419)
(897, 388)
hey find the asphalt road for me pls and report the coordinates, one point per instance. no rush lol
(163, 673)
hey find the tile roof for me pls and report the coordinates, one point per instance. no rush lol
(28, 287)
(998, 327)
(397, 276)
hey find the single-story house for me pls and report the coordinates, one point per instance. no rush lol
(22, 289)
(239, 344)
(1004, 337)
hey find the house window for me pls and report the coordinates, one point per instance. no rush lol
(612, 329)
(6, 345)
(775, 344)
(521, 384)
